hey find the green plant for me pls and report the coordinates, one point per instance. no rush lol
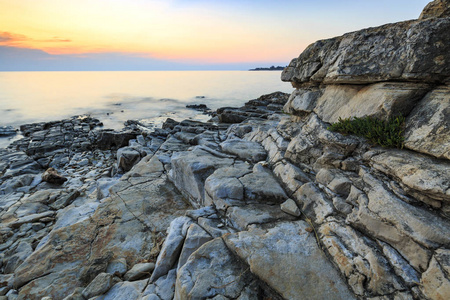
(384, 133)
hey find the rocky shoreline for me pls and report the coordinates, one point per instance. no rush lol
(263, 202)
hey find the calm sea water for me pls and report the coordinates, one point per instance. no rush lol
(114, 97)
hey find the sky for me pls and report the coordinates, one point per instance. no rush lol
(42, 35)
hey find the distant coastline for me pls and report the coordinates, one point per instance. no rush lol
(272, 68)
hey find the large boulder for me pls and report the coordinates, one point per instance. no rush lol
(416, 50)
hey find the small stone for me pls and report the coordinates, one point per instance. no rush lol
(139, 270)
(290, 207)
(52, 176)
(101, 284)
(117, 266)
(37, 226)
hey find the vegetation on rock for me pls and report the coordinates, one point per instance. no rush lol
(384, 133)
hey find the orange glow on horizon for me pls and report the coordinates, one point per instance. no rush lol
(153, 29)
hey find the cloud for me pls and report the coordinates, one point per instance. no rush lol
(15, 39)
(8, 37)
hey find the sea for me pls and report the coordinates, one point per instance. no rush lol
(115, 97)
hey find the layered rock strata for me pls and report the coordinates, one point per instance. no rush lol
(261, 206)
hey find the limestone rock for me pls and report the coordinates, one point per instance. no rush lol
(190, 170)
(139, 270)
(291, 263)
(117, 266)
(125, 291)
(380, 100)
(262, 186)
(436, 9)
(210, 271)
(367, 272)
(411, 50)
(195, 238)
(290, 207)
(52, 176)
(428, 125)
(313, 202)
(101, 284)
(435, 281)
(245, 150)
(242, 217)
(171, 248)
(419, 173)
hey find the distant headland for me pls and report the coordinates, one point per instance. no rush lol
(272, 68)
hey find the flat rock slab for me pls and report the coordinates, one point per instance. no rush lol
(121, 226)
(288, 259)
(246, 150)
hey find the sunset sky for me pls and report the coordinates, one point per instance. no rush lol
(178, 34)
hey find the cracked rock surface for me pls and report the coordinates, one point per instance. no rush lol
(252, 205)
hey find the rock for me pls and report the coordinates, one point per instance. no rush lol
(367, 272)
(313, 202)
(436, 9)
(210, 271)
(195, 238)
(435, 282)
(123, 225)
(290, 207)
(291, 263)
(125, 291)
(418, 173)
(261, 186)
(373, 55)
(190, 170)
(100, 285)
(386, 217)
(52, 176)
(380, 100)
(162, 289)
(428, 125)
(171, 248)
(242, 217)
(127, 157)
(7, 131)
(117, 266)
(245, 150)
(110, 139)
(139, 270)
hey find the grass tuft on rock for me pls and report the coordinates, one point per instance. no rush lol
(384, 133)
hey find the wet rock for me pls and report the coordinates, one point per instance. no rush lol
(52, 176)
(7, 131)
